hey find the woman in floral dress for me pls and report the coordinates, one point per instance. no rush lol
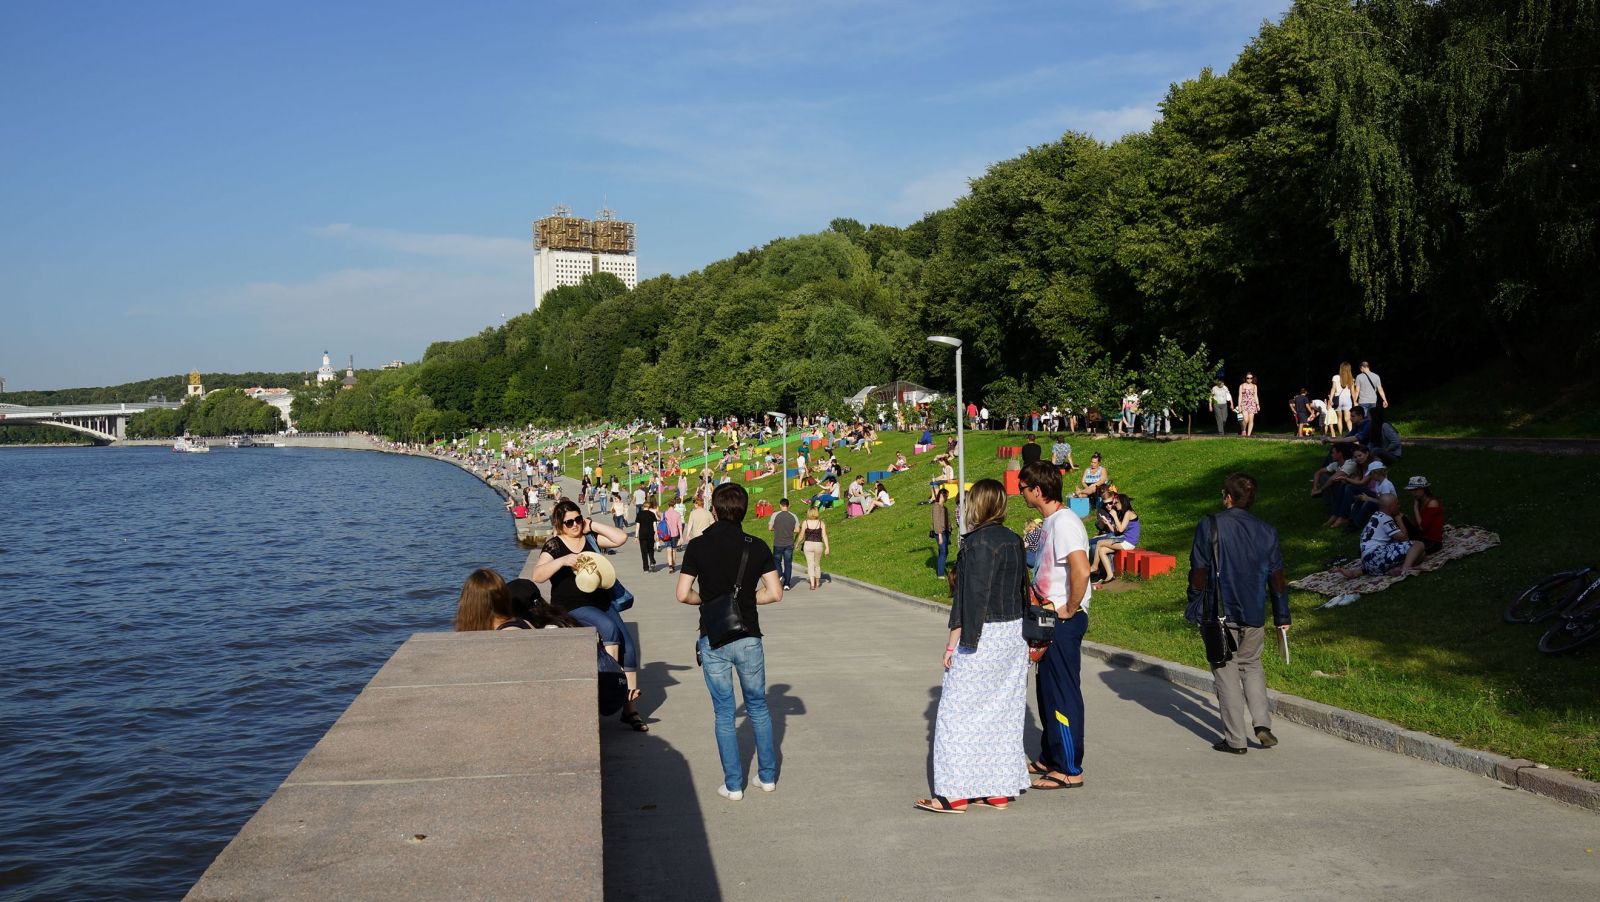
(1249, 404)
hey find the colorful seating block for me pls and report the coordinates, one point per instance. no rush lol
(1154, 564)
(792, 472)
(1079, 506)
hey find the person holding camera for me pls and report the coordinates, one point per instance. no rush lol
(730, 631)
(1247, 564)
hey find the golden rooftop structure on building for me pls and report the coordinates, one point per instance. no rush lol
(569, 248)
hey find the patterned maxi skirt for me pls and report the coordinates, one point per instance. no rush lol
(977, 738)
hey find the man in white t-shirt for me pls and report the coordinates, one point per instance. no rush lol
(1062, 579)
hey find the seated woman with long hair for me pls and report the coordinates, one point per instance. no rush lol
(485, 604)
(553, 563)
(1124, 527)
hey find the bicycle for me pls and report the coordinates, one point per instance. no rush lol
(1576, 625)
(1552, 594)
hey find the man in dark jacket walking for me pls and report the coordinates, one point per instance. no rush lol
(1250, 564)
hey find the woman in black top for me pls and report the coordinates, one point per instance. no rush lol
(645, 521)
(978, 754)
(573, 534)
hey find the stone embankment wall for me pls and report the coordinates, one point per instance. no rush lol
(469, 768)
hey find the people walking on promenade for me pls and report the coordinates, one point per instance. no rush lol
(574, 535)
(1341, 397)
(1221, 400)
(978, 754)
(1062, 580)
(1249, 405)
(1369, 389)
(783, 525)
(735, 575)
(697, 521)
(673, 531)
(1250, 567)
(814, 542)
(644, 524)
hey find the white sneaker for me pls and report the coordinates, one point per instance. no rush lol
(767, 787)
(732, 795)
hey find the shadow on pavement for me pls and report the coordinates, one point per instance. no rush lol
(655, 837)
(1182, 706)
(781, 705)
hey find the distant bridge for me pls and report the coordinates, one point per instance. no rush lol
(105, 423)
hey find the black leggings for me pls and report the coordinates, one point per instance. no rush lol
(647, 551)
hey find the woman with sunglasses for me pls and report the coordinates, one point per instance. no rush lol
(1249, 405)
(573, 535)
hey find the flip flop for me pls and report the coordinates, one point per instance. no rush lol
(1037, 769)
(1048, 782)
(942, 805)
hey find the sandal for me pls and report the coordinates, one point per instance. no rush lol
(998, 803)
(1051, 781)
(942, 805)
(1038, 769)
(637, 722)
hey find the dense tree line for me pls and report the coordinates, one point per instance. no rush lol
(227, 411)
(1410, 182)
(172, 388)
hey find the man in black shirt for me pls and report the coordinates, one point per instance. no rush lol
(1031, 452)
(714, 559)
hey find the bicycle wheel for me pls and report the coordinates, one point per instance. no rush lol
(1578, 626)
(1547, 596)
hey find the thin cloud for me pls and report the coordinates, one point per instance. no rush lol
(426, 244)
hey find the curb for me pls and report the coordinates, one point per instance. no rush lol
(1359, 728)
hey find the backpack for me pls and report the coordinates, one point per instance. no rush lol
(662, 532)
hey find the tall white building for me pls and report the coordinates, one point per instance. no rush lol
(566, 248)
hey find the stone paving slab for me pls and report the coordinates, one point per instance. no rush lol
(853, 683)
(467, 769)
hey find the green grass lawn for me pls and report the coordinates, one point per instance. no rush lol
(1430, 653)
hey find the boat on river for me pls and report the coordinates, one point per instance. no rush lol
(241, 441)
(187, 445)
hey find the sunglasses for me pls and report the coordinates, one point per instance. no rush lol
(572, 522)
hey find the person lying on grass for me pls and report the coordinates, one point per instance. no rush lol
(1386, 549)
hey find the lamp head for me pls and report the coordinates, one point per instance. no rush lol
(945, 340)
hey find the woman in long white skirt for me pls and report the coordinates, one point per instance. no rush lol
(978, 754)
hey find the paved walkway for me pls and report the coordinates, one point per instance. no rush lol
(853, 679)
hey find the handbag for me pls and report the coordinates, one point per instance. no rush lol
(621, 598)
(1219, 642)
(720, 619)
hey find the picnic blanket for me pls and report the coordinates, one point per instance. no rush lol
(1459, 541)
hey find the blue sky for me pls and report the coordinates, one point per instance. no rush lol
(239, 186)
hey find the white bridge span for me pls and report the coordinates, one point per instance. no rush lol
(105, 423)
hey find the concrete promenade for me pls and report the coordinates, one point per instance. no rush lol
(853, 680)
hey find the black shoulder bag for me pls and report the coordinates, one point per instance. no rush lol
(720, 619)
(1213, 630)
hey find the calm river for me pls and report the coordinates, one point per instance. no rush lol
(177, 631)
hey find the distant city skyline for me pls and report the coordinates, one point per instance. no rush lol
(235, 188)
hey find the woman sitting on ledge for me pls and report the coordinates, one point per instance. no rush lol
(899, 465)
(485, 604)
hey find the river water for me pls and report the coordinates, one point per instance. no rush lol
(177, 631)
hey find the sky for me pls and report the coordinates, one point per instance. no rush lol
(240, 186)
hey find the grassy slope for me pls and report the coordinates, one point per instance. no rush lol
(1501, 400)
(1430, 653)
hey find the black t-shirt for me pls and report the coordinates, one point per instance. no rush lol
(1031, 453)
(646, 521)
(714, 556)
(564, 591)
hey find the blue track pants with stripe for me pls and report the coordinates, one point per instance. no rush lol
(1060, 696)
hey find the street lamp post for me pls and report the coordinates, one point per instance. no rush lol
(961, 440)
(783, 447)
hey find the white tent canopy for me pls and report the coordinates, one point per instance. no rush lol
(892, 392)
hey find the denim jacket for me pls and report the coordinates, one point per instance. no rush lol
(1250, 555)
(989, 577)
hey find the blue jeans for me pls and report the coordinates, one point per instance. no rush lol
(608, 623)
(783, 561)
(939, 563)
(744, 655)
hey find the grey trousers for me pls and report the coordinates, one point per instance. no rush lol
(1242, 687)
